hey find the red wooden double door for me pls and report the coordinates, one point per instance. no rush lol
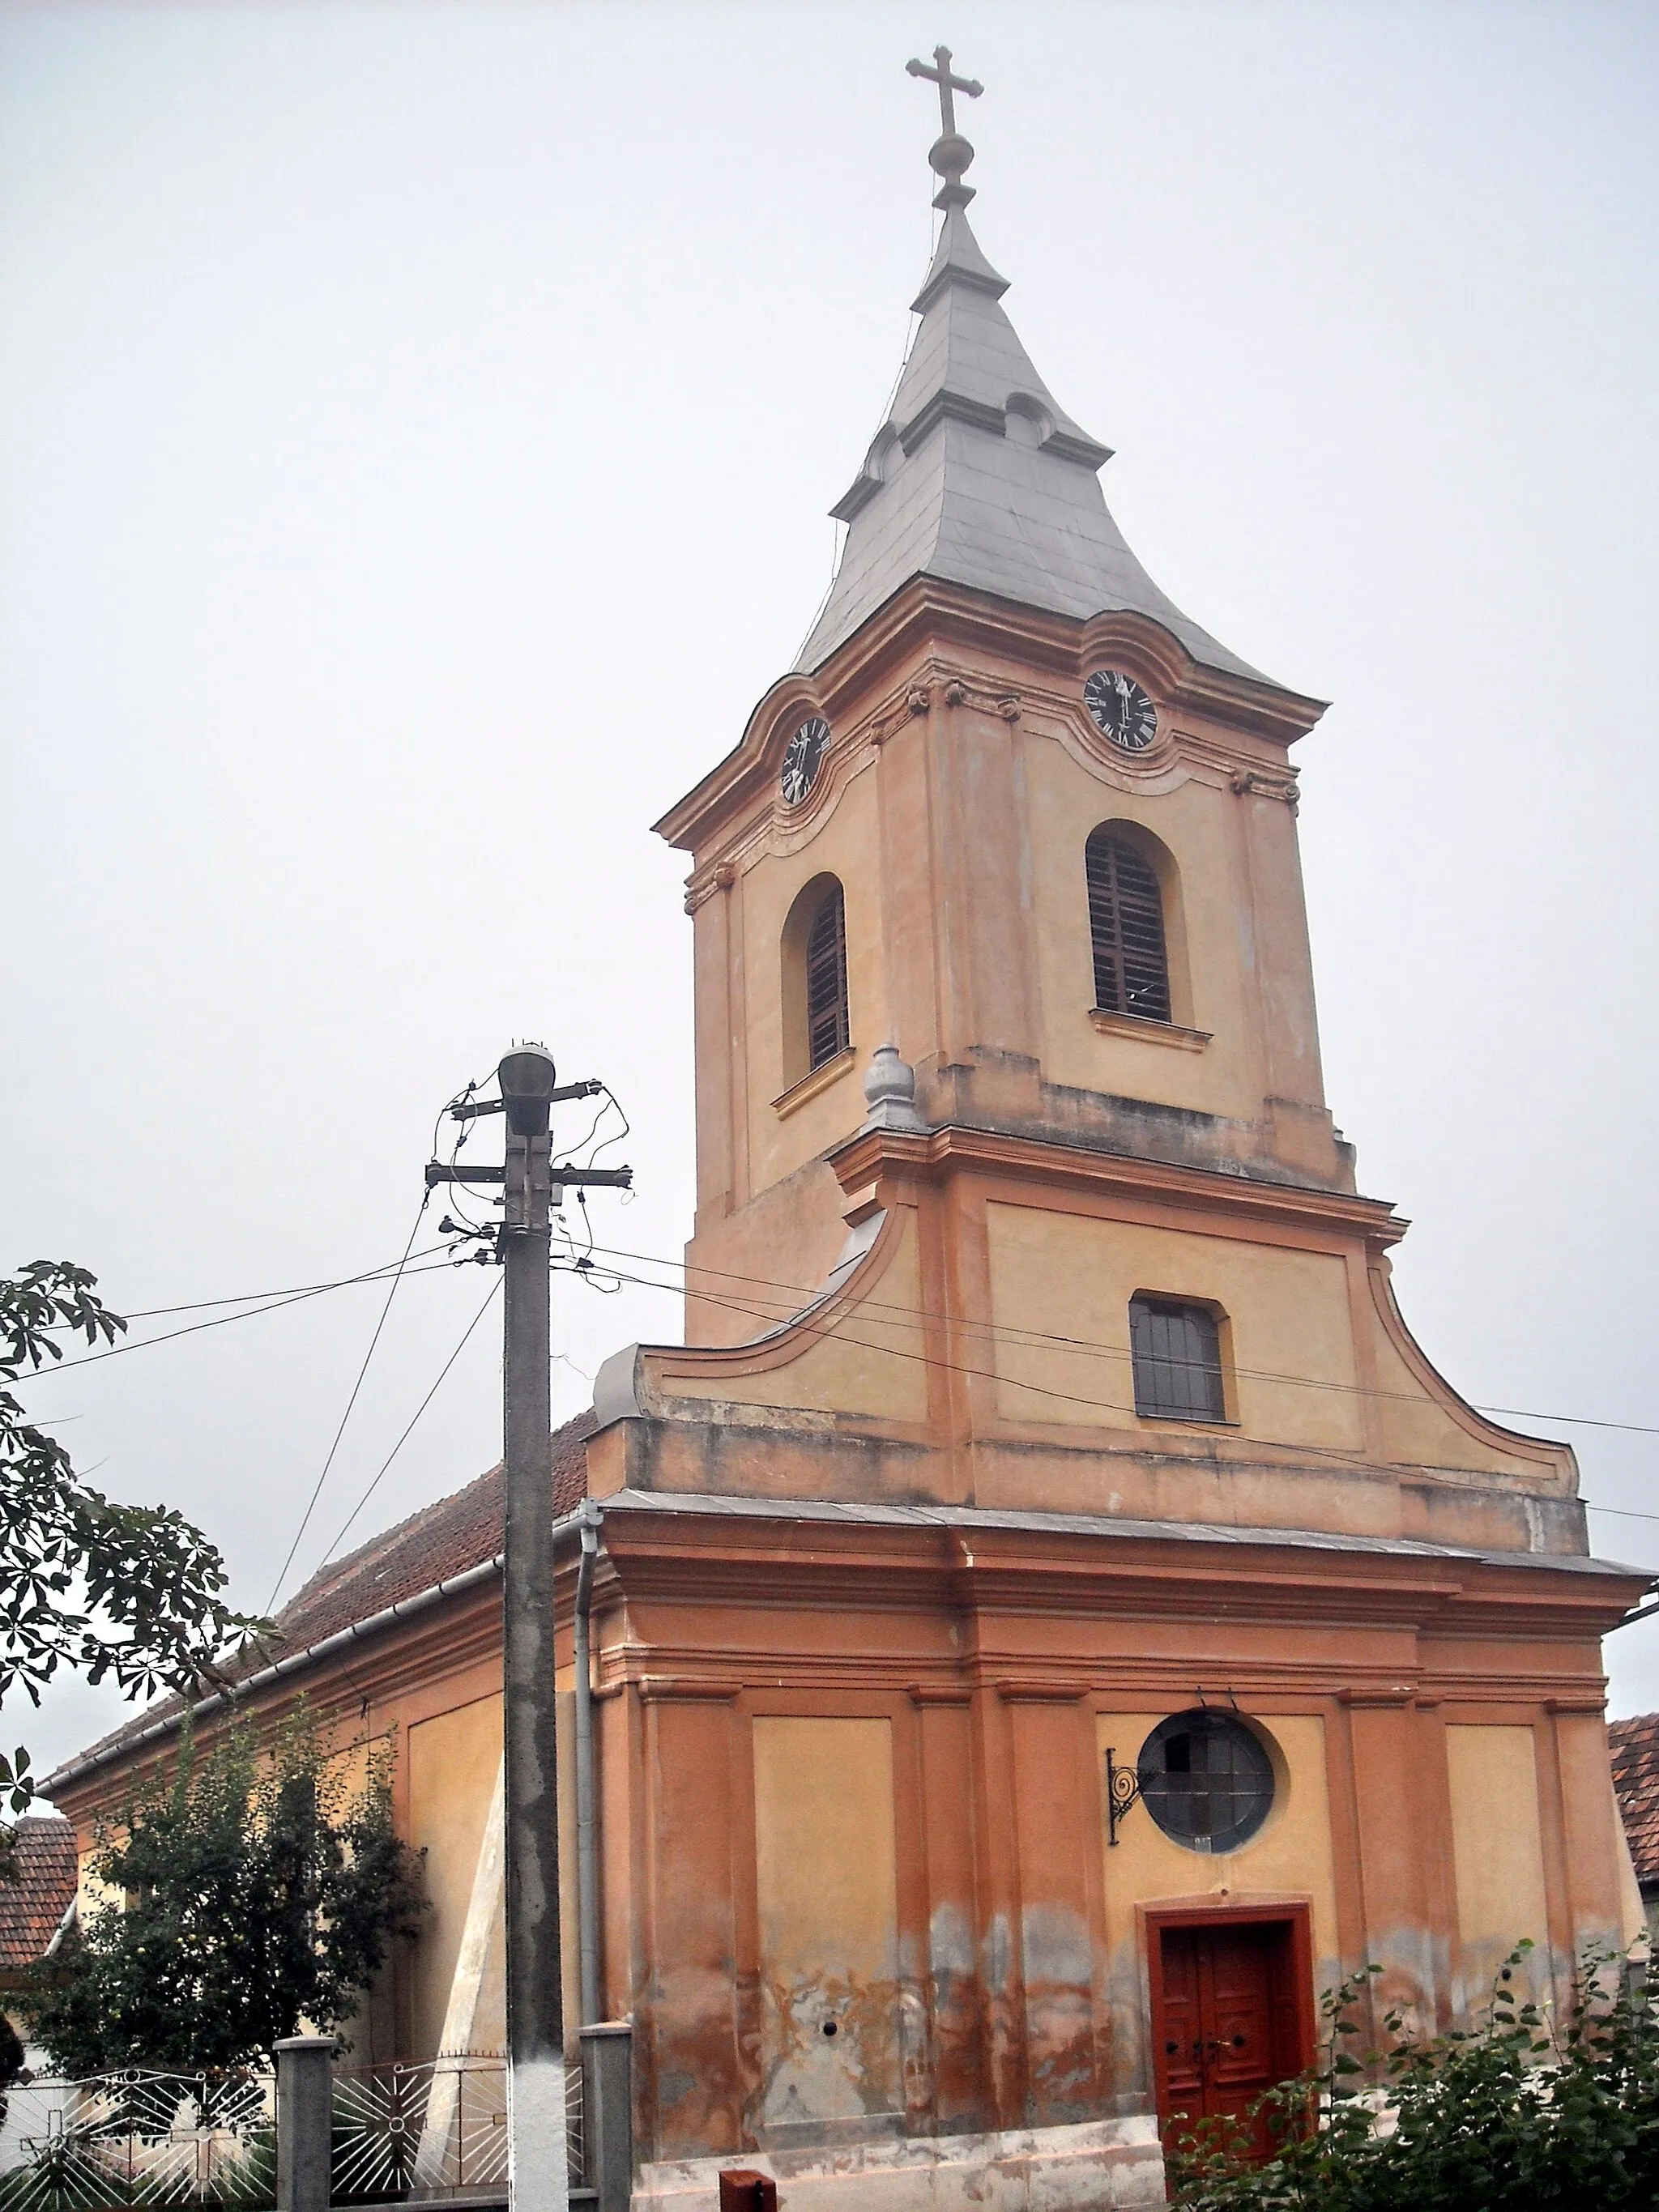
(1231, 2015)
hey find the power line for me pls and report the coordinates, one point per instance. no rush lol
(254, 1298)
(1021, 1338)
(989, 1374)
(317, 1487)
(415, 1417)
(1033, 1338)
(1571, 1420)
(774, 1312)
(953, 1367)
(275, 1305)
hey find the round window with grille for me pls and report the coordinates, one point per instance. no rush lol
(1207, 1779)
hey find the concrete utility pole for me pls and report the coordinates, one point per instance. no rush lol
(537, 2176)
(538, 2173)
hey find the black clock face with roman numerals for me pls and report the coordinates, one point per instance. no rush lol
(801, 758)
(1121, 710)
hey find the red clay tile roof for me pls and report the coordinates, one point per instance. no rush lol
(1635, 1747)
(34, 1900)
(460, 1531)
(441, 1541)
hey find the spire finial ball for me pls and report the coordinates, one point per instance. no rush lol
(949, 157)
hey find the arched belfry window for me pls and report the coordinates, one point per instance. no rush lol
(815, 1011)
(1126, 928)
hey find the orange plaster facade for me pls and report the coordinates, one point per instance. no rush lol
(1005, 2023)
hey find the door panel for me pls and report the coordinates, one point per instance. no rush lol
(1239, 2023)
(1181, 2067)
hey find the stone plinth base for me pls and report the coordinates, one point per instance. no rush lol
(1099, 2165)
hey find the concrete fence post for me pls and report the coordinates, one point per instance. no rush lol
(305, 2115)
(608, 2111)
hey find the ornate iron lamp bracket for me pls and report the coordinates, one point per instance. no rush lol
(1123, 1791)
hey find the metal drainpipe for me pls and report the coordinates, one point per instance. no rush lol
(587, 1871)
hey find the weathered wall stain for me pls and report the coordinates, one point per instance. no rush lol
(1061, 2083)
(832, 2050)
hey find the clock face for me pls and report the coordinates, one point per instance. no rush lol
(1121, 709)
(801, 757)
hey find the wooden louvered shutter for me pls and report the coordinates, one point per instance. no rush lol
(1178, 1361)
(826, 983)
(1126, 922)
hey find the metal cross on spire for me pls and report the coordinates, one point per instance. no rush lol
(940, 74)
(950, 154)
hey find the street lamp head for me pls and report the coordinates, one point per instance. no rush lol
(527, 1076)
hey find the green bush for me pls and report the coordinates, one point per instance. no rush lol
(1524, 2112)
(254, 1890)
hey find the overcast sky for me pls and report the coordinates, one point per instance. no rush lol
(416, 428)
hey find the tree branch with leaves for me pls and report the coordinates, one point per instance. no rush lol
(131, 1593)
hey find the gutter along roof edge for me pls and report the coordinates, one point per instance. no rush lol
(1035, 1520)
(354, 1633)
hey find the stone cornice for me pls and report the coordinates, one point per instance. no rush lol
(949, 614)
(763, 1561)
(875, 1154)
(940, 622)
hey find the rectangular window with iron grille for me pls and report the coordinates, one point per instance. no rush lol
(1176, 1351)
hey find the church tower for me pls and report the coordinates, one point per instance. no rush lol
(1012, 812)
(1055, 1620)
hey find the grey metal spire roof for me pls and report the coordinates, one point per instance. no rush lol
(979, 477)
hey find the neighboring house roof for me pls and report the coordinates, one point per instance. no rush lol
(1635, 1747)
(433, 1546)
(979, 477)
(33, 1901)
